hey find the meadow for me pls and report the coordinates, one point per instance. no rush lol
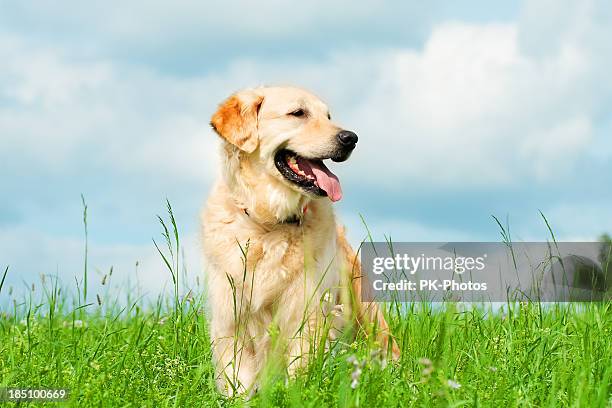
(133, 353)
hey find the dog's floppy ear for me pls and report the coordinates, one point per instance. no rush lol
(236, 120)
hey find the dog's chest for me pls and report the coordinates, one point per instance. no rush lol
(304, 253)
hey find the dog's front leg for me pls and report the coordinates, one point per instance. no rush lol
(236, 363)
(300, 320)
(240, 297)
(278, 264)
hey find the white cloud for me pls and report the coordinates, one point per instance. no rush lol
(579, 221)
(398, 229)
(471, 107)
(562, 142)
(155, 25)
(62, 113)
(53, 255)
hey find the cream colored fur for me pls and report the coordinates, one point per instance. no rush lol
(264, 275)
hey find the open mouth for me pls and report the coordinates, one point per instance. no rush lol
(310, 174)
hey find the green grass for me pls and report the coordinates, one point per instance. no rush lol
(559, 356)
(159, 355)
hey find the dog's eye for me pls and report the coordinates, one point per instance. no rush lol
(298, 113)
(328, 116)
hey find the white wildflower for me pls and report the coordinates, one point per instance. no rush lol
(427, 371)
(356, 373)
(79, 324)
(425, 361)
(453, 384)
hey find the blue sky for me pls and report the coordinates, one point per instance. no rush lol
(463, 111)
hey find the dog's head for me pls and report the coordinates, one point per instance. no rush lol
(285, 133)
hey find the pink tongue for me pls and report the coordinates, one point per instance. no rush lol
(326, 180)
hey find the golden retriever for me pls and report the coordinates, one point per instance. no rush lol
(277, 265)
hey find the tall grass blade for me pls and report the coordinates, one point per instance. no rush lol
(3, 278)
(86, 249)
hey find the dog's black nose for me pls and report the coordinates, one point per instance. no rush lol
(347, 138)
